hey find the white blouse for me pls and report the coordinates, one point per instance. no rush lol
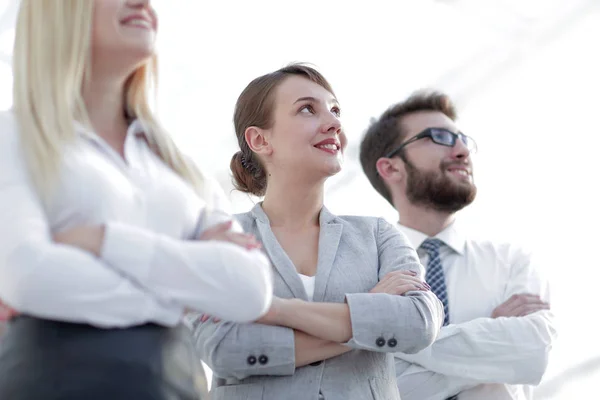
(309, 285)
(150, 269)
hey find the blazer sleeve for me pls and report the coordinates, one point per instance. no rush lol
(390, 323)
(234, 350)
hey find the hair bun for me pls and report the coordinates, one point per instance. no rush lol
(247, 177)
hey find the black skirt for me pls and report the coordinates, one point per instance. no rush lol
(49, 360)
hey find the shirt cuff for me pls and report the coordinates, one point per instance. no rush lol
(166, 314)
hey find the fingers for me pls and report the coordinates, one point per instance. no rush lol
(206, 317)
(244, 240)
(401, 279)
(223, 233)
(409, 287)
(216, 230)
(61, 237)
(381, 287)
(400, 284)
(534, 309)
(7, 313)
(222, 227)
(515, 301)
(519, 305)
(530, 308)
(521, 298)
(403, 272)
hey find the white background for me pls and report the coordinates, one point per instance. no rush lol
(525, 75)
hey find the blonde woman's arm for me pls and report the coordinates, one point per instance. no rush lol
(48, 280)
(219, 277)
(217, 270)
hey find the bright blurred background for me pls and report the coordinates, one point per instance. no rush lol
(524, 73)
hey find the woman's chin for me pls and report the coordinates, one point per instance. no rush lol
(322, 170)
(333, 169)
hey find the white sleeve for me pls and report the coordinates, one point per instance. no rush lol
(217, 211)
(418, 383)
(219, 278)
(502, 350)
(47, 280)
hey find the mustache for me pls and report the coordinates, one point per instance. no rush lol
(444, 165)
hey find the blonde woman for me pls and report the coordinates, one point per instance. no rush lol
(102, 215)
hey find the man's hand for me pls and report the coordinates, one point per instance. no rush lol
(400, 282)
(519, 305)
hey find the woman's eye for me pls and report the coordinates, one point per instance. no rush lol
(336, 111)
(307, 108)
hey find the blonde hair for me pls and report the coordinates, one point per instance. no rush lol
(51, 62)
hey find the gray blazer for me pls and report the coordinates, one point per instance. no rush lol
(254, 361)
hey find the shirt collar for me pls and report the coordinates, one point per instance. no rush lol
(451, 236)
(136, 128)
(325, 216)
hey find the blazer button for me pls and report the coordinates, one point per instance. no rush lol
(316, 363)
(251, 360)
(263, 359)
(392, 342)
(380, 342)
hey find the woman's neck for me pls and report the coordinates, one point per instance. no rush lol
(292, 205)
(105, 105)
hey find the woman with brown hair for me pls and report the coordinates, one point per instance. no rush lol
(348, 290)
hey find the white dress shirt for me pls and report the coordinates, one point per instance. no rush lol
(476, 355)
(150, 268)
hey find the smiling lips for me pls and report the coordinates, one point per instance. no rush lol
(461, 171)
(140, 21)
(331, 146)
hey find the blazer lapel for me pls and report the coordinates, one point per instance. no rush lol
(279, 258)
(329, 240)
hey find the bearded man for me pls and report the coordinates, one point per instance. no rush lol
(498, 328)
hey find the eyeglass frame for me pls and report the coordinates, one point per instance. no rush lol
(427, 133)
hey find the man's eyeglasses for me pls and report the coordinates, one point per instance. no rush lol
(441, 136)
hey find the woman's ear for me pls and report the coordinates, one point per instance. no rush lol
(258, 141)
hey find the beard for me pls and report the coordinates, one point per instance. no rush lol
(436, 190)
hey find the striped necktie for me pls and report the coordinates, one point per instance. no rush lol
(436, 279)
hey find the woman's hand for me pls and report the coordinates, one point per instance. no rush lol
(6, 312)
(400, 282)
(224, 233)
(270, 318)
(278, 307)
(88, 238)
